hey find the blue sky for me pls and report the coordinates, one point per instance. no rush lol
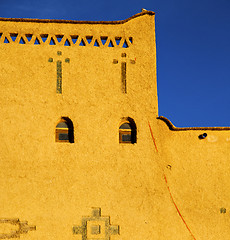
(193, 49)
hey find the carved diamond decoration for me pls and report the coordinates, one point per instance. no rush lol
(96, 227)
(13, 228)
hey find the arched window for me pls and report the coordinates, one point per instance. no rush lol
(64, 131)
(127, 131)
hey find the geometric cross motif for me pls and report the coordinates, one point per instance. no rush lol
(96, 227)
(13, 228)
(59, 72)
(123, 71)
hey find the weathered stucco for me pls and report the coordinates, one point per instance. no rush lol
(170, 184)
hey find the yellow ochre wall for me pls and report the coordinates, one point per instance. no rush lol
(168, 185)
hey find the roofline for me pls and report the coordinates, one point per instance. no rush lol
(173, 128)
(75, 21)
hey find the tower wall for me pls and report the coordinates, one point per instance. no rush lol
(53, 184)
(170, 183)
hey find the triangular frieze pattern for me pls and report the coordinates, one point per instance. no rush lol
(66, 40)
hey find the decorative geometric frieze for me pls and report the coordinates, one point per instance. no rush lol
(96, 227)
(66, 40)
(13, 228)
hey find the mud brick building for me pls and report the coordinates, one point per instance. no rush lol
(83, 152)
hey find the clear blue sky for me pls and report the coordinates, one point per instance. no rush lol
(193, 49)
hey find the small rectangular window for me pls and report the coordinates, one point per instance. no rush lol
(127, 132)
(126, 137)
(64, 131)
(63, 136)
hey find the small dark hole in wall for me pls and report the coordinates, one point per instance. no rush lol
(37, 42)
(13, 36)
(125, 45)
(89, 39)
(6, 40)
(74, 38)
(44, 37)
(110, 44)
(29, 37)
(82, 43)
(203, 136)
(104, 40)
(59, 37)
(52, 42)
(96, 44)
(118, 40)
(67, 43)
(22, 41)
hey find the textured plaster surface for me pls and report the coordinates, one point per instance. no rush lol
(52, 185)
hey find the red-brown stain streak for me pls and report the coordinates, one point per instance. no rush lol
(153, 137)
(170, 191)
(178, 208)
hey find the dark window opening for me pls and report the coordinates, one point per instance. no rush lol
(63, 136)
(127, 131)
(64, 131)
